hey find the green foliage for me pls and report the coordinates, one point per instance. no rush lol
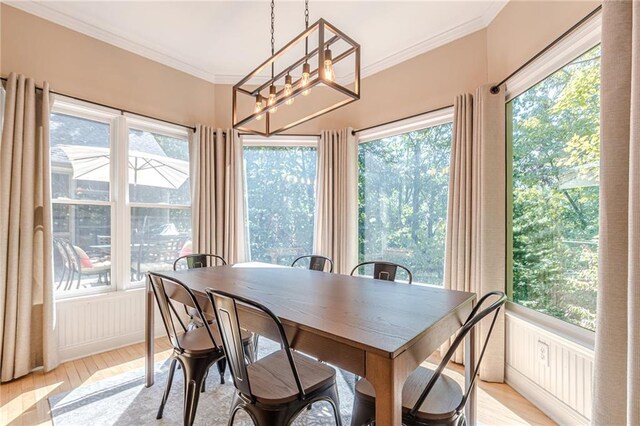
(403, 188)
(280, 184)
(556, 150)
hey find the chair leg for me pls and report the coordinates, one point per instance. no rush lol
(167, 389)
(195, 371)
(222, 368)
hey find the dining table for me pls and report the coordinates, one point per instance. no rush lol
(376, 329)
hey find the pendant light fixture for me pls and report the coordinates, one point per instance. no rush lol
(256, 97)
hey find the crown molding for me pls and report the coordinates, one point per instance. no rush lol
(42, 10)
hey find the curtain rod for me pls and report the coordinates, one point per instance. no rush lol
(300, 135)
(495, 89)
(353, 132)
(122, 111)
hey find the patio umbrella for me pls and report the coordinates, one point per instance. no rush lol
(92, 163)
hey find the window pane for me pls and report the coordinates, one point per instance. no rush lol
(403, 188)
(158, 168)
(82, 246)
(80, 158)
(281, 202)
(158, 237)
(555, 192)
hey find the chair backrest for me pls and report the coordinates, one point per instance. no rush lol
(197, 260)
(385, 271)
(69, 254)
(226, 310)
(316, 262)
(169, 290)
(472, 321)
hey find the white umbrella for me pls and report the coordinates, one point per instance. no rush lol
(92, 163)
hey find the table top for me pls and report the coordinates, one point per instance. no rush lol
(381, 316)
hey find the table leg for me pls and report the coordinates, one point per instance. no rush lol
(148, 335)
(471, 410)
(387, 380)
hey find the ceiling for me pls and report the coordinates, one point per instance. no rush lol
(222, 41)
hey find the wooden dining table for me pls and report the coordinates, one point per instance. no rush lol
(376, 329)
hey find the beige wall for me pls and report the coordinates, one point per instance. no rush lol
(524, 27)
(81, 66)
(85, 67)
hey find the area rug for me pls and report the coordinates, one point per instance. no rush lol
(124, 400)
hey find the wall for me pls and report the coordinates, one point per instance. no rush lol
(523, 28)
(81, 66)
(426, 82)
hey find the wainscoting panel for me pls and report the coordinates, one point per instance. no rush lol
(553, 372)
(98, 323)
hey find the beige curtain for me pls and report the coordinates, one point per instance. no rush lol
(336, 224)
(217, 183)
(617, 353)
(26, 260)
(476, 246)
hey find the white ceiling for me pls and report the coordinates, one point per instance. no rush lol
(222, 41)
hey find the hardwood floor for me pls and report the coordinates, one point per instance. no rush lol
(24, 401)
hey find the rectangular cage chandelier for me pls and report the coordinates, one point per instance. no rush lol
(323, 74)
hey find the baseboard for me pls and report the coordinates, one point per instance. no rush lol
(558, 411)
(85, 349)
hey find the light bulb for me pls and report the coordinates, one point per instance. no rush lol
(272, 99)
(304, 81)
(288, 88)
(259, 106)
(329, 74)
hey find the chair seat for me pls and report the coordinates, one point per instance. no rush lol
(197, 341)
(272, 382)
(440, 404)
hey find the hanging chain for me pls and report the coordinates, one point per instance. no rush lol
(306, 13)
(306, 25)
(273, 39)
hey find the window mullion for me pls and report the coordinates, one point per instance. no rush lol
(121, 249)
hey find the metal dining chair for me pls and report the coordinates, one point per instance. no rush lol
(428, 396)
(316, 262)
(205, 260)
(385, 271)
(276, 388)
(195, 350)
(198, 260)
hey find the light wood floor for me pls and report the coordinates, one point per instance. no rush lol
(24, 401)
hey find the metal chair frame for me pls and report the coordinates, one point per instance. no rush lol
(199, 260)
(194, 366)
(316, 262)
(457, 418)
(385, 271)
(226, 310)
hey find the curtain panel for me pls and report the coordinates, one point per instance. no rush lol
(27, 331)
(336, 222)
(217, 186)
(476, 243)
(617, 350)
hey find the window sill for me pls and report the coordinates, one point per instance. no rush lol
(578, 335)
(105, 294)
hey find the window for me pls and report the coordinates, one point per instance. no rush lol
(281, 197)
(403, 192)
(94, 197)
(554, 139)
(160, 199)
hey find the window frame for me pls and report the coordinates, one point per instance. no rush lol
(572, 46)
(419, 122)
(120, 207)
(276, 141)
